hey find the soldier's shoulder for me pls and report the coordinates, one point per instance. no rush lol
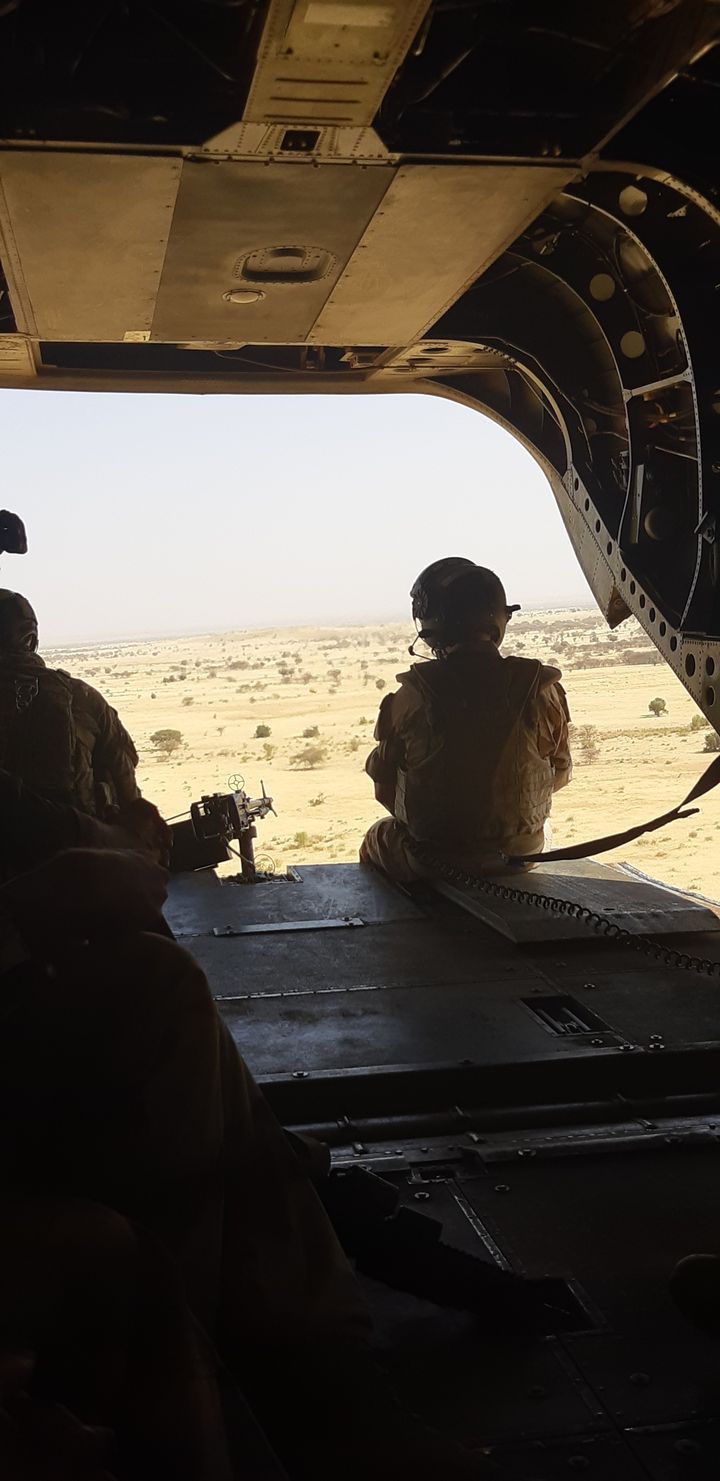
(84, 693)
(546, 674)
(549, 674)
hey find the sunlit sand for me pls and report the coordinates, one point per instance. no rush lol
(218, 689)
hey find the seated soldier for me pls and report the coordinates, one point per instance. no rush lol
(58, 734)
(473, 745)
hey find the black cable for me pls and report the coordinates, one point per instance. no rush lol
(645, 945)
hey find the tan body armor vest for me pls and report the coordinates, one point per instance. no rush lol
(472, 777)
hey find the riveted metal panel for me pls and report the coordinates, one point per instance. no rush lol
(440, 226)
(321, 61)
(227, 211)
(90, 233)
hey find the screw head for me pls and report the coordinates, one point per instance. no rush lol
(502, 1188)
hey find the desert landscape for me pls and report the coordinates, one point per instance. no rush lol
(296, 708)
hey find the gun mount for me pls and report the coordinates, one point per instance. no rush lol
(204, 839)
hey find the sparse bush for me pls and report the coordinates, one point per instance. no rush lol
(587, 739)
(379, 683)
(310, 732)
(712, 742)
(699, 722)
(261, 731)
(220, 729)
(188, 699)
(364, 720)
(657, 707)
(354, 743)
(301, 839)
(317, 801)
(166, 741)
(153, 696)
(269, 751)
(309, 758)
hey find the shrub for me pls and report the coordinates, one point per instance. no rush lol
(309, 758)
(269, 751)
(261, 731)
(301, 839)
(379, 683)
(712, 742)
(188, 699)
(364, 720)
(317, 801)
(699, 722)
(354, 743)
(657, 707)
(166, 741)
(310, 732)
(587, 739)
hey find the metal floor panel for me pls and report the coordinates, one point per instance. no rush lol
(451, 1023)
(199, 903)
(635, 1395)
(408, 954)
(632, 902)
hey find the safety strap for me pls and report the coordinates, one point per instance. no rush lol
(709, 779)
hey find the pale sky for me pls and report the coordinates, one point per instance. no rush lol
(151, 515)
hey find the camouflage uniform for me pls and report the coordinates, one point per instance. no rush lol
(120, 1083)
(470, 750)
(62, 738)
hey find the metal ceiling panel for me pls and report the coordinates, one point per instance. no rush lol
(440, 226)
(90, 233)
(330, 61)
(275, 236)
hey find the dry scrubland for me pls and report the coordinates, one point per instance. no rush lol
(317, 692)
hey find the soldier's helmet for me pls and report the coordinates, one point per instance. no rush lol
(18, 624)
(453, 599)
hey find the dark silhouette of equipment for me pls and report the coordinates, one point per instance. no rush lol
(204, 839)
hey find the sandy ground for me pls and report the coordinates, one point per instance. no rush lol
(216, 690)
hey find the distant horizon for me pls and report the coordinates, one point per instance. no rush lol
(164, 515)
(126, 639)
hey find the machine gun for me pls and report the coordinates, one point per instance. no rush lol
(204, 838)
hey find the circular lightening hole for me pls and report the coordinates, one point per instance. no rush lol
(608, 548)
(710, 667)
(623, 574)
(651, 614)
(710, 695)
(597, 526)
(689, 665)
(642, 601)
(632, 344)
(632, 588)
(632, 200)
(602, 287)
(587, 505)
(673, 645)
(662, 629)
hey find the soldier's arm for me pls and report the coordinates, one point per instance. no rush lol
(114, 757)
(383, 761)
(34, 829)
(558, 723)
(553, 722)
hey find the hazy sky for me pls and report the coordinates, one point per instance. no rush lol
(166, 514)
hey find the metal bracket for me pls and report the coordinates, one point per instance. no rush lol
(266, 928)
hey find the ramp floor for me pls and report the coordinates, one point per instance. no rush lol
(556, 1104)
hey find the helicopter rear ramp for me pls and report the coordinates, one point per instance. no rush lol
(555, 1104)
